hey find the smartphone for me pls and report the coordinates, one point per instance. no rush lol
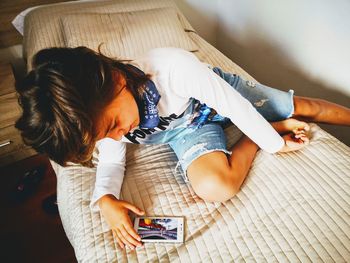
(160, 229)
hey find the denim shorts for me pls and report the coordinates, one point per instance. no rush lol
(272, 104)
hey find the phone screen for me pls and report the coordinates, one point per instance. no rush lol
(160, 229)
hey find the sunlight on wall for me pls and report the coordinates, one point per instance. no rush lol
(313, 34)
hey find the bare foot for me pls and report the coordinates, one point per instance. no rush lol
(291, 125)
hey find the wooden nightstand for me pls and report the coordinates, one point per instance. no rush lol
(27, 232)
(12, 147)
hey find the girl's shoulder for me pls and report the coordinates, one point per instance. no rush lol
(166, 53)
(161, 62)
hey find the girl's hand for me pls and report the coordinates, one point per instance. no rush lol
(293, 142)
(116, 214)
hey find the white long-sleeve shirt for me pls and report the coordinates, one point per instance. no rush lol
(179, 77)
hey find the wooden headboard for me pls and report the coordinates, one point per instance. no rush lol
(8, 11)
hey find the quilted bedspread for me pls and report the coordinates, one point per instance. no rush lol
(291, 207)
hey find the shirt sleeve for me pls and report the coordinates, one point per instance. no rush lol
(110, 170)
(191, 78)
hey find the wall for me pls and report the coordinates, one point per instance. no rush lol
(313, 35)
(202, 15)
(300, 45)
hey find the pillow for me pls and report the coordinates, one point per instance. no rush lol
(126, 35)
(18, 21)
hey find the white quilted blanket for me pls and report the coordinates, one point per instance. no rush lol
(292, 207)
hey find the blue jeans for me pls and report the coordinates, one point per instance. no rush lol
(272, 104)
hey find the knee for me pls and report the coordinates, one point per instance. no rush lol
(216, 187)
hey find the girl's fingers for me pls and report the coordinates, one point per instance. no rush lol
(305, 139)
(301, 136)
(295, 143)
(300, 140)
(128, 237)
(132, 231)
(123, 238)
(135, 209)
(298, 131)
(119, 241)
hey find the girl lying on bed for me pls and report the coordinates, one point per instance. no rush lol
(76, 99)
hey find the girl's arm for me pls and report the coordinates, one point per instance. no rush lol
(109, 179)
(110, 170)
(191, 78)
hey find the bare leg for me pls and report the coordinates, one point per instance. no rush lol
(243, 154)
(215, 177)
(318, 110)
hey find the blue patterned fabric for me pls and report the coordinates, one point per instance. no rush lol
(205, 114)
(149, 117)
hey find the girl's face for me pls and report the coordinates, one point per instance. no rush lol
(119, 117)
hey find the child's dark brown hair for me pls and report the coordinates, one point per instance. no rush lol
(64, 95)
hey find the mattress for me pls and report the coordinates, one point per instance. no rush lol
(291, 207)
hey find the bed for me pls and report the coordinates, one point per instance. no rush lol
(291, 207)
